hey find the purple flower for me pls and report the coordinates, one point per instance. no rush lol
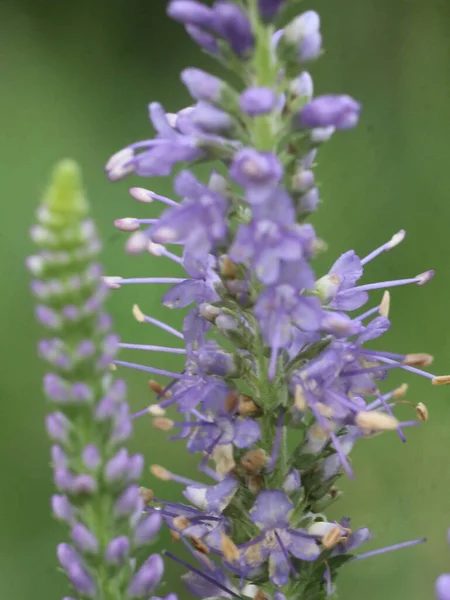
(283, 305)
(158, 156)
(259, 173)
(256, 101)
(270, 513)
(272, 237)
(201, 285)
(341, 112)
(117, 550)
(199, 222)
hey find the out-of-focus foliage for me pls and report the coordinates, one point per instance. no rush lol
(75, 80)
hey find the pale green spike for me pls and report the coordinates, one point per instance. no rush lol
(65, 195)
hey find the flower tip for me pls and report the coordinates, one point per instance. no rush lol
(385, 304)
(120, 164)
(160, 473)
(396, 239)
(424, 278)
(155, 249)
(441, 380)
(400, 391)
(138, 314)
(162, 423)
(113, 283)
(156, 410)
(141, 194)
(127, 224)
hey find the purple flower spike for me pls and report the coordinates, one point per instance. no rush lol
(257, 101)
(341, 112)
(147, 578)
(442, 587)
(257, 172)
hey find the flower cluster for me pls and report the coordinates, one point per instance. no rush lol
(96, 478)
(278, 382)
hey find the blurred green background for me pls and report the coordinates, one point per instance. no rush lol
(75, 81)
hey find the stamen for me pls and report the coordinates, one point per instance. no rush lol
(389, 549)
(165, 475)
(420, 279)
(327, 577)
(387, 408)
(277, 441)
(116, 282)
(394, 241)
(212, 580)
(344, 461)
(153, 348)
(128, 365)
(159, 250)
(139, 316)
(147, 196)
(418, 359)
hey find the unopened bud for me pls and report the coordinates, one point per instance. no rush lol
(227, 267)
(247, 406)
(209, 312)
(254, 461)
(255, 484)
